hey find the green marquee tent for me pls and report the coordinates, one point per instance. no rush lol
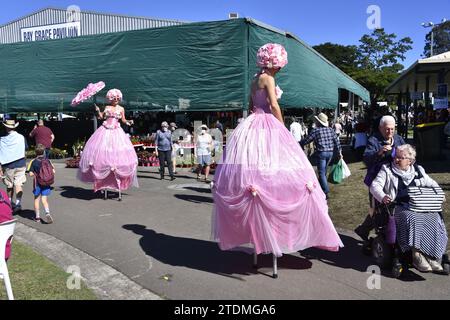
(203, 66)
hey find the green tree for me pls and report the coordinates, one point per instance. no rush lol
(441, 39)
(343, 57)
(378, 61)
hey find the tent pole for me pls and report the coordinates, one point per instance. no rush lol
(338, 109)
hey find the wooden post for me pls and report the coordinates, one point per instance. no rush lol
(427, 92)
(408, 103)
(416, 85)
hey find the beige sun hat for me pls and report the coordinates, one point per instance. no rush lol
(322, 118)
(10, 124)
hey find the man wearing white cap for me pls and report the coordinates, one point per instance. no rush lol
(163, 141)
(203, 147)
(325, 142)
(12, 161)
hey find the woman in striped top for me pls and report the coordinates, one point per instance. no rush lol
(423, 233)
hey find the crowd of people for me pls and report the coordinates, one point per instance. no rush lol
(265, 189)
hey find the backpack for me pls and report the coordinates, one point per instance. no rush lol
(5, 204)
(45, 177)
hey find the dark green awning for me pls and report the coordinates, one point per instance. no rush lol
(203, 66)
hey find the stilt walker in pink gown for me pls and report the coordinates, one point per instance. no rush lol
(109, 160)
(265, 190)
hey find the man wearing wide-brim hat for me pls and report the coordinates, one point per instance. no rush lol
(13, 163)
(326, 143)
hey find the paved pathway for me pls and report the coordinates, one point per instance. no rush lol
(159, 238)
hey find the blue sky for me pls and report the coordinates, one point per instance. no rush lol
(315, 22)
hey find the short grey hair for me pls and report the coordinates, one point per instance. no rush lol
(386, 119)
(409, 150)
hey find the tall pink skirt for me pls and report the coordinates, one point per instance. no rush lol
(283, 216)
(109, 160)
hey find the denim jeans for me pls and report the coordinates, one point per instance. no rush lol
(323, 159)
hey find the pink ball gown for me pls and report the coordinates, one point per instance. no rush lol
(109, 160)
(282, 216)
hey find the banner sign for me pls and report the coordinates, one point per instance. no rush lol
(441, 99)
(416, 95)
(49, 32)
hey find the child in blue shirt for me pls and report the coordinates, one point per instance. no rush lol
(40, 192)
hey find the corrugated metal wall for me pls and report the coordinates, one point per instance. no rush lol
(90, 23)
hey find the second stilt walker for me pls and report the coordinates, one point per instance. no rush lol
(109, 160)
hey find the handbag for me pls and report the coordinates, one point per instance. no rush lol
(425, 199)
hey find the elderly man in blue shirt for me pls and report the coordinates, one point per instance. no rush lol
(325, 142)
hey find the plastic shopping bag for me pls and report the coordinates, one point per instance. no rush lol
(345, 170)
(336, 173)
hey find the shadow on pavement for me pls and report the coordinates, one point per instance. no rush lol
(148, 177)
(351, 257)
(26, 214)
(29, 214)
(85, 194)
(201, 190)
(78, 193)
(194, 198)
(348, 257)
(206, 255)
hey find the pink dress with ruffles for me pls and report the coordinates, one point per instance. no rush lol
(109, 160)
(282, 216)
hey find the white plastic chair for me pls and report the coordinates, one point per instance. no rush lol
(6, 232)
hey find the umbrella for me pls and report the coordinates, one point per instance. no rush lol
(86, 93)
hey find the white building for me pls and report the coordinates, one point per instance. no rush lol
(54, 23)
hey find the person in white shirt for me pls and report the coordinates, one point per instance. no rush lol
(203, 147)
(296, 130)
(337, 128)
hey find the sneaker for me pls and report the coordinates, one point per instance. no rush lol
(435, 265)
(17, 209)
(48, 218)
(172, 178)
(420, 263)
(37, 219)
